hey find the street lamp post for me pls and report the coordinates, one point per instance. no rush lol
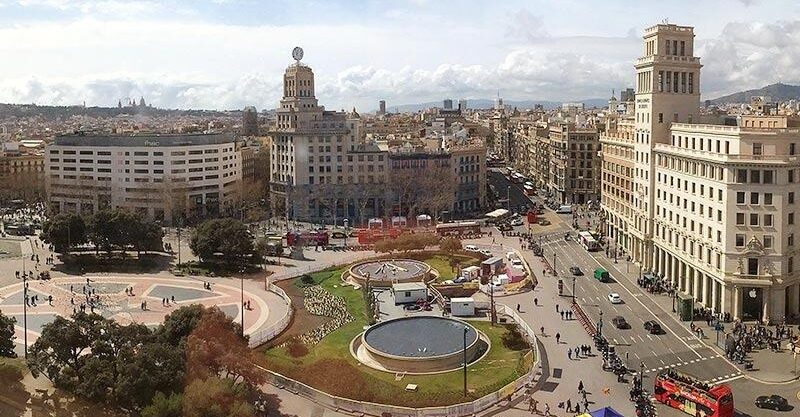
(554, 264)
(25, 306)
(346, 224)
(491, 299)
(508, 197)
(641, 375)
(465, 360)
(600, 325)
(241, 282)
(674, 297)
(573, 290)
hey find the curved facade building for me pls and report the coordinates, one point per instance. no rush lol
(160, 176)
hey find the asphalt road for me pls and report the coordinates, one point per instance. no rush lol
(675, 348)
(506, 188)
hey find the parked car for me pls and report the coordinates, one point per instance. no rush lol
(620, 323)
(574, 270)
(461, 280)
(471, 248)
(614, 298)
(653, 327)
(516, 222)
(516, 262)
(486, 252)
(772, 402)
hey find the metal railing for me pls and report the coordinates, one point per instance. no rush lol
(265, 335)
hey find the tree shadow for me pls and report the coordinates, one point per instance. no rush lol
(77, 264)
(273, 406)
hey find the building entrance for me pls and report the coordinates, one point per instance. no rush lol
(752, 303)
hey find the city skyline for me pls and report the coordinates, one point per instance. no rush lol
(227, 54)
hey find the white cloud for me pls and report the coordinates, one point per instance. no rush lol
(116, 49)
(750, 55)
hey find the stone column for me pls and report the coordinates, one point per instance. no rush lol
(714, 295)
(705, 279)
(697, 276)
(794, 299)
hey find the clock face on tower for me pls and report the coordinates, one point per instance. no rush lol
(297, 53)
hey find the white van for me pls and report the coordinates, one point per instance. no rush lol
(564, 209)
(471, 248)
(511, 255)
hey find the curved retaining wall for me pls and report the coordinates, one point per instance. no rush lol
(457, 410)
(265, 335)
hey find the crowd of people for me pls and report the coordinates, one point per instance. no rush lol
(744, 339)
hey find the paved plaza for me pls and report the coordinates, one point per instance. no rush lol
(161, 295)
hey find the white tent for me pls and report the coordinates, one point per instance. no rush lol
(497, 213)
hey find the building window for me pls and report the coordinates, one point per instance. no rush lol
(791, 239)
(661, 118)
(740, 219)
(754, 198)
(790, 264)
(768, 199)
(753, 219)
(767, 220)
(768, 241)
(739, 240)
(791, 198)
(790, 175)
(740, 197)
(741, 176)
(758, 149)
(790, 218)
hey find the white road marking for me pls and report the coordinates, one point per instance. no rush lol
(650, 311)
(729, 379)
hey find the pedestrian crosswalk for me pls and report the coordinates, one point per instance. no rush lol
(683, 363)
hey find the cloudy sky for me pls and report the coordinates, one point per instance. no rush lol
(225, 54)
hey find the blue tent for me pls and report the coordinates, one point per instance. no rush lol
(605, 412)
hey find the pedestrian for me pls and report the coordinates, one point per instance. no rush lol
(580, 386)
(536, 301)
(517, 307)
(532, 405)
(558, 337)
(569, 405)
(569, 353)
(562, 315)
(557, 308)
(542, 330)
(547, 409)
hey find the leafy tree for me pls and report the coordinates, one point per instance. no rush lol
(164, 406)
(121, 229)
(407, 242)
(450, 245)
(179, 325)
(227, 237)
(216, 348)
(216, 397)
(59, 353)
(7, 336)
(64, 231)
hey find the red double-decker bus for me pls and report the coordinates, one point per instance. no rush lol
(692, 396)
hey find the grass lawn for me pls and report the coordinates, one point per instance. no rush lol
(441, 263)
(328, 366)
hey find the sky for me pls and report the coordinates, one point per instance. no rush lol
(227, 54)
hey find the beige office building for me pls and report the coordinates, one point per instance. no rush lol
(709, 206)
(159, 176)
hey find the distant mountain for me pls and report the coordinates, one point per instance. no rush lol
(488, 104)
(777, 91)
